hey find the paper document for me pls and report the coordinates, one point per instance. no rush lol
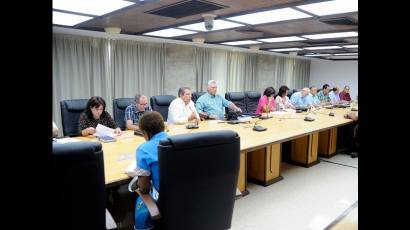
(102, 130)
(66, 140)
(130, 171)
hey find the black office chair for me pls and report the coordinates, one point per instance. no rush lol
(292, 91)
(70, 115)
(210, 169)
(78, 186)
(119, 106)
(161, 103)
(252, 100)
(196, 95)
(238, 98)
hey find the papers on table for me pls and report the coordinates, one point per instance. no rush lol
(130, 170)
(102, 130)
(66, 140)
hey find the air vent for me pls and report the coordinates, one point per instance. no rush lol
(328, 42)
(249, 31)
(186, 8)
(340, 21)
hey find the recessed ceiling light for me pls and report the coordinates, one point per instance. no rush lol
(92, 7)
(282, 39)
(322, 47)
(331, 7)
(244, 42)
(171, 32)
(351, 46)
(65, 19)
(218, 25)
(317, 55)
(345, 54)
(286, 49)
(331, 35)
(270, 16)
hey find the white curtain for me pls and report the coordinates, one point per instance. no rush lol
(80, 70)
(137, 68)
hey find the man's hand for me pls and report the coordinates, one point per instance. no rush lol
(238, 109)
(192, 116)
(213, 117)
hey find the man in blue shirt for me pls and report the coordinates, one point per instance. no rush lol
(211, 105)
(133, 112)
(334, 95)
(312, 98)
(300, 98)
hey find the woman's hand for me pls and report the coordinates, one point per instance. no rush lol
(117, 131)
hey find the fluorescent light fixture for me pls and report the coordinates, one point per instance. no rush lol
(331, 35)
(218, 25)
(345, 54)
(331, 7)
(270, 16)
(351, 46)
(282, 39)
(322, 47)
(68, 19)
(286, 49)
(244, 42)
(317, 55)
(92, 7)
(170, 33)
(343, 57)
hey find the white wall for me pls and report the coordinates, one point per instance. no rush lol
(335, 73)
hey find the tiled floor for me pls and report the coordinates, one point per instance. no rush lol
(307, 198)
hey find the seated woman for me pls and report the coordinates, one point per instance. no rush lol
(282, 100)
(152, 126)
(267, 101)
(95, 114)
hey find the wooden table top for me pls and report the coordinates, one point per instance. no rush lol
(120, 154)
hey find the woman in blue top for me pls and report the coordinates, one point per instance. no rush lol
(152, 126)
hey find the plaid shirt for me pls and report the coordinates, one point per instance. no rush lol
(322, 97)
(132, 113)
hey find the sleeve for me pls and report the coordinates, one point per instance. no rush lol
(143, 168)
(293, 99)
(82, 124)
(278, 101)
(200, 105)
(110, 122)
(225, 102)
(273, 106)
(261, 103)
(127, 114)
(177, 113)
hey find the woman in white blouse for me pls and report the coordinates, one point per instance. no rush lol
(182, 110)
(282, 100)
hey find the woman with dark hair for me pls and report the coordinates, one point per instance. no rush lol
(152, 126)
(95, 114)
(282, 100)
(267, 101)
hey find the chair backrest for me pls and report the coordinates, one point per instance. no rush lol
(252, 100)
(119, 105)
(161, 103)
(196, 95)
(199, 173)
(70, 115)
(238, 98)
(79, 185)
(292, 91)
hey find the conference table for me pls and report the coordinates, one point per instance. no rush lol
(260, 158)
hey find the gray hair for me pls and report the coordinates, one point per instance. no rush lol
(138, 97)
(182, 90)
(212, 82)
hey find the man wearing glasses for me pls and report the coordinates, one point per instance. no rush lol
(134, 112)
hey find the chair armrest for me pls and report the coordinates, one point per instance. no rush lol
(151, 205)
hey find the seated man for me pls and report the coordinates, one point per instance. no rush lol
(323, 95)
(133, 112)
(312, 98)
(344, 95)
(55, 130)
(349, 135)
(334, 95)
(300, 98)
(182, 109)
(211, 105)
